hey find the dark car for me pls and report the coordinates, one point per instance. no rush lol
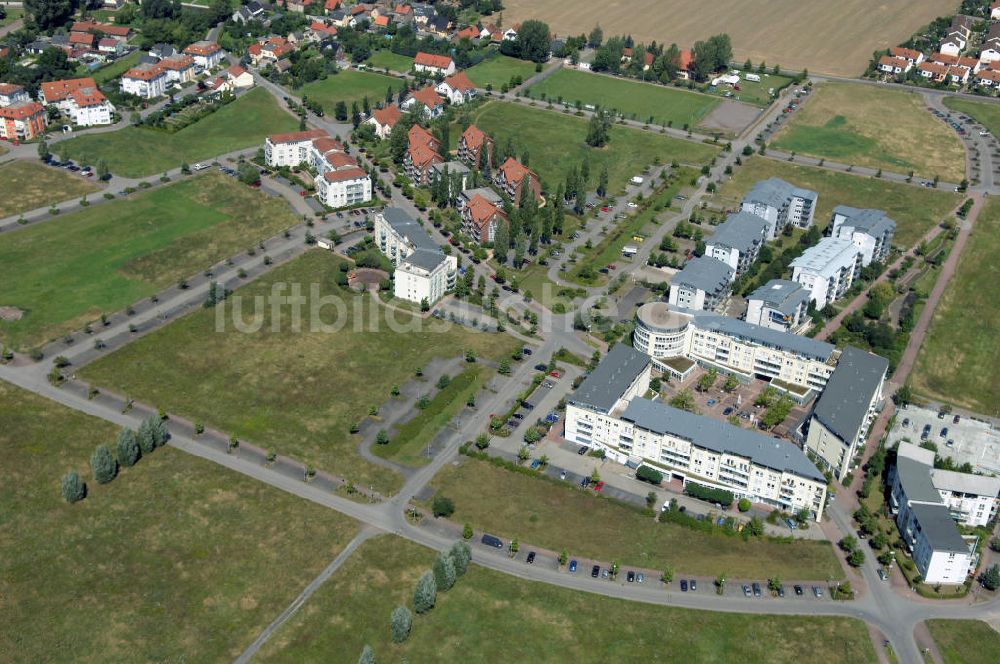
(756, 590)
(630, 576)
(490, 540)
(595, 571)
(585, 482)
(541, 367)
(684, 585)
(693, 584)
(727, 412)
(531, 557)
(781, 591)
(572, 566)
(582, 450)
(526, 351)
(798, 590)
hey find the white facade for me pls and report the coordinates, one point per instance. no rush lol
(101, 113)
(290, 149)
(423, 271)
(971, 499)
(340, 189)
(779, 204)
(869, 230)
(145, 83)
(778, 305)
(828, 269)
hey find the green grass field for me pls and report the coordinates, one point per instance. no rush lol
(13, 13)
(557, 517)
(138, 152)
(488, 613)
(556, 142)
(874, 127)
(984, 113)
(638, 101)
(350, 86)
(961, 340)
(68, 271)
(296, 391)
(757, 92)
(116, 68)
(26, 185)
(175, 560)
(386, 59)
(915, 209)
(499, 70)
(966, 641)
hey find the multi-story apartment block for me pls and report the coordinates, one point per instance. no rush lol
(471, 142)
(828, 269)
(12, 94)
(512, 178)
(78, 99)
(871, 231)
(340, 182)
(779, 304)
(343, 187)
(703, 284)
(779, 204)
(146, 81)
(423, 271)
(481, 217)
(22, 121)
(971, 499)
(206, 54)
(290, 149)
(179, 69)
(737, 241)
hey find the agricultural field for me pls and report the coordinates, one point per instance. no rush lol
(645, 102)
(961, 339)
(556, 517)
(350, 86)
(103, 258)
(875, 127)
(556, 142)
(27, 185)
(386, 59)
(296, 390)
(984, 113)
(832, 38)
(915, 209)
(177, 559)
(487, 612)
(141, 151)
(499, 70)
(965, 641)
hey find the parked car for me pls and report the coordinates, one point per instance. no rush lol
(535, 463)
(595, 571)
(630, 576)
(684, 585)
(798, 590)
(640, 577)
(541, 367)
(525, 351)
(490, 540)
(555, 374)
(605, 573)
(944, 432)
(599, 486)
(572, 567)
(531, 558)
(727, 412)
(746, 590)
(818, 592)
(756, 589)
(956, 419)
(882, 574)
(582, 450)
(781, 591)
(693, 584)
(585, 482)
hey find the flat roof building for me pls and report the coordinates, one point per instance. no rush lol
(779, 304)
(702, 284)
(828, 269)
(423, 271)
(737, 241)
(780, 204)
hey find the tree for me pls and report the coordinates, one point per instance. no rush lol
(755, 527)
(774, 584)
(991, 578)
(102, 170)
(146, 436)
(731, 383)
(482, 441)
(467, 531)
(400, 624)
(128, 448)
(103, 465)
(48, 13)
(596, 37)
(461, 556)
(382, 437)
(532, 42)
(667, 575)
(444, 572)
(425, 594)
(504, 368)
(367, 655)
(743, 505)
(602, 182)
(598, 135)
(355, 115)
(523, 454)
(248, 173)
(340, 111)
(856, 558)
(514, 546)
(73, 488)
(443, 506)
(43, 151)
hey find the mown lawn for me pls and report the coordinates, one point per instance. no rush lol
(296, 390)
(176, 560)
(26, 185)
(557, 517)
(637, 100)
(961, 342)
(915, 209)
(138, 151)
(966, 641)
(499, 70)
(386, 59)
(874, 127)
(487, 613)
(556, 142)
(350, 86)
(984, 113)
(116, 68)
(66, 272)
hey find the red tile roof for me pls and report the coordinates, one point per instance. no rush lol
(387, 116)
(202, 48)
(145, 73)
(685, 60)
(423, 156)
(236, 70)
(891, 61)
(474, 137)
(21, 110)
(989, 75)
(403, 9)
(84, 38)
(420, 136)
(428, 97)
(54, 91)
(332, 5)
(88, 97)
(514, 171)
(106, 28)
(481, 210)
(318, 26)
(177, 62)
(296, 136)
(460, 81)
(8, 89)
(471, 32)
(432, 60)
(908, 53)
(345, 174)
(325, 144)
(382, 21)
(340, 159)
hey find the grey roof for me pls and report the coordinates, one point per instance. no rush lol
(607, 383)
(740, 231)
(721, 437)
(148, 59)
(163, 51)
(452, 166)
(843, 406)
(409, 228)
(939, 529)
(872, 222)
(781, 295)
(818, 350)
(427, 259)
(485, 192)
(775, 192)
(708, 274)
(254, 6)
(915, 478)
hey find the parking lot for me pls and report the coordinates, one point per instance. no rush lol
(965, 441)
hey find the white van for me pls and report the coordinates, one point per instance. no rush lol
(752, 77)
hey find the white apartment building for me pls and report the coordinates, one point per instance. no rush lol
(732, 346)
(206, 54)
(779, 204)
(607, 412)
(344, 187)
(737, 241)
(423, 271)
(828, 269)
(90, 107)
(871, 231)
(971, 499)
(779, 304)
(12, 94)
(340, 182)
(703, 284)
(290, 149)
(146, 81)
(845, 411)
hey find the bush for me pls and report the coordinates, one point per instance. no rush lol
(367, 655)
(73, 488)
(444, 572)
(128, 448)
(443, 506)
(743, 505)
(461, 556)
(400, 624)
(721, 496)
(146, 436)
(425, 594)
(467, 531)
(103, 465)
(648, 474)
(991, 578)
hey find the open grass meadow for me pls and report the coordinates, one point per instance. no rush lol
(636, 100)
(297, 391)
(117, 68)
(27, 185)
(499, 70)
(556, 142)
(915, 209)
(962, 338)
(985, 113)
(175, 560)
(65, 272)
(11, 15)
(386, 59)
(557, 517)
(487, 613)
(350, 86)
(875, 127)
(966, 641)
(139, 151)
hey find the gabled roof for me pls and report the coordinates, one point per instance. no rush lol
(459, 82)
(202, 48)
(88, 97)
(146, 72)
(297, 136)
(420, 136)
(474, 137)
(482, 211)
(54, 91)
(514, 171)
(423, 156)
(326, 144)
(354, 173)
(387, 116)
(106, 28)
(432, 60)
(339, 159)
(908, 53)
(893, 61)
(8, 89)
(21, 110)
(776, 192)
(427, 96)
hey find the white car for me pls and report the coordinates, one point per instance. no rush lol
(984, 133)
(632, 205)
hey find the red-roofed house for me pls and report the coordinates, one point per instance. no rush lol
(418, 162)
(988, 78)
(468, 32)
(381, 21)
(684, 65)
(434, 64)
(344, 187)
(120, 32)
(893, 65)
(89, 107)
(384, 119)
(180, 68)
(481, 218)
(12, 94)
(321, 31)
(913, 56)
(146, 81)
(292, 148)
(22, 121)
(110, 46)
(205, 53)
(512, 177)
(332, 5)
(84, 40)
(232, 79)
(420, 136)
(426, 98)
(457, 88)
(471, 142)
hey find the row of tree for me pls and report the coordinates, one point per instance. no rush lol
(707, 57)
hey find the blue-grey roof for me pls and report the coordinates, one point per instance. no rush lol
(939, 529)
(915, 478)
(608, 381)
(781, 295)
(708, 274)
(776, 192)
(828, 256)
(843, 406)
(721, 437)
(409, 228)
(425, 258)
(740, 231)
(454, 167)
(817, 350)
(872, 222)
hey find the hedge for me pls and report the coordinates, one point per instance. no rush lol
(647, 474)
(720, 496)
